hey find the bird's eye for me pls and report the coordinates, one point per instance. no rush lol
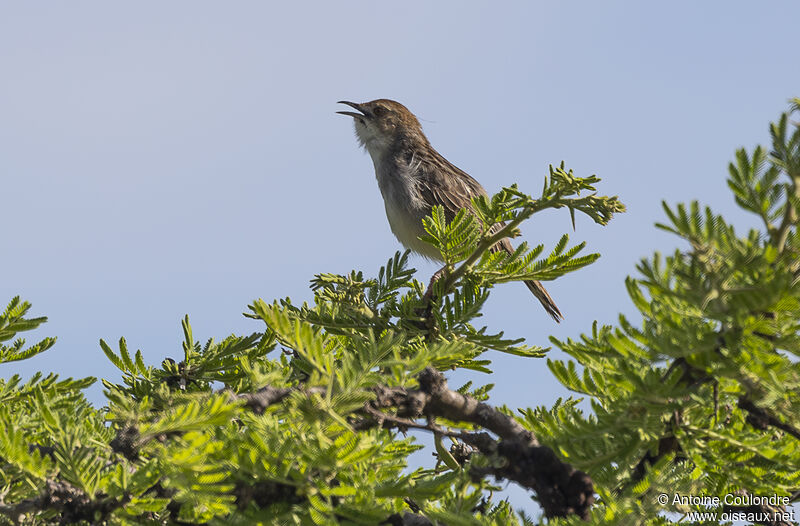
(378, 111)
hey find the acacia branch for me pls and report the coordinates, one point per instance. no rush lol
(73, 504)
(485, 244)
(268, 395)
(562, 490)
(760, 418)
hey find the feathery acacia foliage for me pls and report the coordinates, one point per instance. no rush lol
(305, 422)
(12, 321)
(703, 396)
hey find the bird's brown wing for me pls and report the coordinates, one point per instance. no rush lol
(442, 183)
(439, 182)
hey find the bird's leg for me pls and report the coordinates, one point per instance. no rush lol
(425, 311)
(436, 276)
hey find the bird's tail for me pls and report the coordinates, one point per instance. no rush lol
(544, 298)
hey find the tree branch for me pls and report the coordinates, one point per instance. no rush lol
(562, 490)
(71, 503)
(760, 418)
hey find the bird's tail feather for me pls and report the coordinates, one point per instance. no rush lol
(544, 298)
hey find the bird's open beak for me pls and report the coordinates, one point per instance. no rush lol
(350, 113)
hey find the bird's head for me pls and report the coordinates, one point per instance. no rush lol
(381, 123)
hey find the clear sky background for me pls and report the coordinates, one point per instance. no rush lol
(165, 158)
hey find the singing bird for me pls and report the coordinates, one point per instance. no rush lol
(413, 177)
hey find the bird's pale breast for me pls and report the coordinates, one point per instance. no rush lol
(405, 208)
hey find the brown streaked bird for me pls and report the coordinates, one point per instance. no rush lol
(413, 177)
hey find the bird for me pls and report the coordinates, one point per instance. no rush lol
(413, 177)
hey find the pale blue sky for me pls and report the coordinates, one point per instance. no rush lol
(158, 159)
